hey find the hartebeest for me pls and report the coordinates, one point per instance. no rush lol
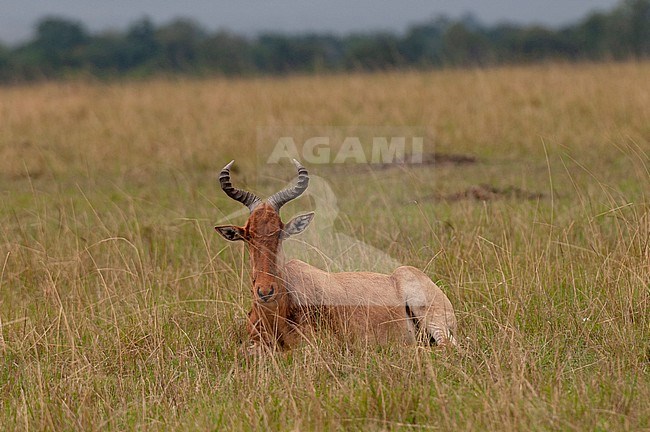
(293, 299)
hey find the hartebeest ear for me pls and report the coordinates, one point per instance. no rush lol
(231, 232)
(297, 225)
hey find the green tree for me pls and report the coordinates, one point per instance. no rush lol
(60, 35)
(591, 36)
(276, 53)
(57, 47)
(59, 40)
(464, 47)
(61, 46)
(5, 69)
(422, 44)
(107, 54)
(141, 46)
(179, 43)
(637, 13)
(226, 53)
(374, 51)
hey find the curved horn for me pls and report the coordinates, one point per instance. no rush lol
(249, 199)
(279, 199)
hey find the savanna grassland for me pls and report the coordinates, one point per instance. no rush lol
(122, 309)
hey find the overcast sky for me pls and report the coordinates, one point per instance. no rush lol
(17, 17)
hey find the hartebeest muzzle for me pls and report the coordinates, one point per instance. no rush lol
(265, 293)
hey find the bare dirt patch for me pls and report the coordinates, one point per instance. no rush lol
(484, 192)
(448, 158)
(429, 159)
(425, 160)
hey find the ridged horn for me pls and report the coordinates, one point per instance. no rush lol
(249, 199)
(279, 199)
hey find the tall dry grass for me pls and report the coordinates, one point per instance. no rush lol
(121, 309)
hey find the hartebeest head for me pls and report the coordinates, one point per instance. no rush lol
(264, 231)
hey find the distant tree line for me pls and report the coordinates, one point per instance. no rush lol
(63, 48)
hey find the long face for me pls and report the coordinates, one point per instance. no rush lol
(264, 232)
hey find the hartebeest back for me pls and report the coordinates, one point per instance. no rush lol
(294, 299)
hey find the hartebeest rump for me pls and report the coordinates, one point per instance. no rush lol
(294, 299)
